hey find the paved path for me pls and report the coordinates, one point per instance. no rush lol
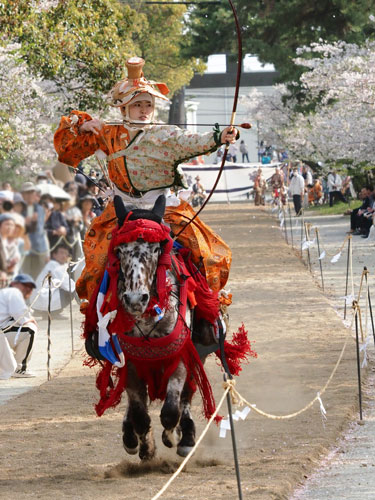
(348, 473)
(61, 352)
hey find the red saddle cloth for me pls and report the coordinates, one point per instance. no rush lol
(156, 359)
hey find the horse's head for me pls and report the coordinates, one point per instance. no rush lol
(140, 239)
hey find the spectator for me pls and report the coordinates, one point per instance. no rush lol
(366, 221)
(19, 204)
(315, 193)
(261, 151)
(366, 218)
(80, 179)
(103, 185)
(16, 321)
(219, 155)
(20, 239)
(46, 201)
(244, 151)
(325, 190)
(56, 225)
(85, 204)
(355, 217)
(93, 191)
(334, 182)
(233, 151)
(347, 188)
(296, 190)
(260, 186)
(62, 291)
(34, 220)
(74, 219)
(198, 193)
(283, 156)
(307, 176)
(9, 246)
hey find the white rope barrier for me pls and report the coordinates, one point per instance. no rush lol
(61, 239)
(239, 400)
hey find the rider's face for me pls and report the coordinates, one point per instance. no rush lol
(140, 110)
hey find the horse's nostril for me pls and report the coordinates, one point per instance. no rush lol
(126, 298)
(145, 297)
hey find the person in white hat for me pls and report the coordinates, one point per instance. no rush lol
(18, 325)
(143, 160)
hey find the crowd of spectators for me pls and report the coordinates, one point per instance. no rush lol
(42, 225)
(304, 188)
(41, 216)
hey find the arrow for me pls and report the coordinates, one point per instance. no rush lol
(241, 125)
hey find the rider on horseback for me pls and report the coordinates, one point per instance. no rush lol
(143, 161)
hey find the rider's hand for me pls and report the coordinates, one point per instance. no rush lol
(93, 126)
(229, 134)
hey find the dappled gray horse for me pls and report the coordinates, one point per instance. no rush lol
(137, 284)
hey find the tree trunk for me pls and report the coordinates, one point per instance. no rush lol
(177, 112)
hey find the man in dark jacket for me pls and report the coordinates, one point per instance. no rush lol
(366, 195)
(56, 225)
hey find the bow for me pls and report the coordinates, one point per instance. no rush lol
(234, 110)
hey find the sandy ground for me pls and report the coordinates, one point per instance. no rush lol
(53, 445)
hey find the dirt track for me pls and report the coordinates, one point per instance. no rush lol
(53, 446)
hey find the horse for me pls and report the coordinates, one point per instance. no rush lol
(140, 260)
(141, 311)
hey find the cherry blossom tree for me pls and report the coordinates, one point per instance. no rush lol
(337, 122)
(27, 112)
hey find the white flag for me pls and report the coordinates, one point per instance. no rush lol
(336, 257)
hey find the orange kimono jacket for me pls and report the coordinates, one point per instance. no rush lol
(149, 161)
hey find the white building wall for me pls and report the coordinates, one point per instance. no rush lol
(215, 105)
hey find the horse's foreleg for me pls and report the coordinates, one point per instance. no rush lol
(137, 423)
(187, 425)
(129, 437)
(171, 410)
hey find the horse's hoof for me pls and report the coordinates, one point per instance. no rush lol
(147, 453)
(183, 451)
(129, 438)
(170, 438)
(131, 451)
(130, 442)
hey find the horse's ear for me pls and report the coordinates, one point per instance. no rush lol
(120, 209)
(159, 207)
